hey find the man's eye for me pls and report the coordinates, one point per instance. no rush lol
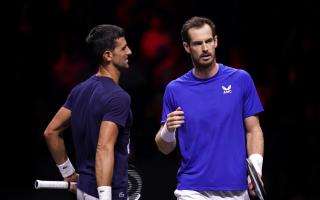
(209, 41)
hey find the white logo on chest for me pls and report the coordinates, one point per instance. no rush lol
(226, 90)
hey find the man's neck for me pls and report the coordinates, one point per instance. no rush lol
(109, 71)
(205, 73)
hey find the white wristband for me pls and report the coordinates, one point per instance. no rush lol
(66, 169)
(257, 161)
(104, 192)
(166, 135)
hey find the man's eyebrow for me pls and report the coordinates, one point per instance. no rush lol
(200, 41)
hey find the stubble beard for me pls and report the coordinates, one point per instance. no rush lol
(202, 66)
(122, 66)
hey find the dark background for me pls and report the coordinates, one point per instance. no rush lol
(275, 41)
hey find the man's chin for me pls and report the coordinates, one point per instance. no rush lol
(123, 67)
(205, 64)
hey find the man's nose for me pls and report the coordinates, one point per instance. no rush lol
(204, 47)
(129, 52)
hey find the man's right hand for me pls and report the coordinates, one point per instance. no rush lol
(72, 179)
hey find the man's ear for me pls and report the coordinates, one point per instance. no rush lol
(107, 56)
(215, 41)
(186, 47)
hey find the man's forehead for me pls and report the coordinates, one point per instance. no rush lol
(121, 41)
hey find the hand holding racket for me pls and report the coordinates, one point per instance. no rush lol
(256, 181)
(134, 184)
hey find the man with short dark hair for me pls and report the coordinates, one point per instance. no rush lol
(213, 111)
(99, 113)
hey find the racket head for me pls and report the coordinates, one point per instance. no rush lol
(134, 183)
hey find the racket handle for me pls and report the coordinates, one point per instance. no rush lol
(41, 184)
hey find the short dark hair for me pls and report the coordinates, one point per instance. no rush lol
(196, 22)
(101, 38)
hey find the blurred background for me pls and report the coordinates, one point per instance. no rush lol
(275, 41)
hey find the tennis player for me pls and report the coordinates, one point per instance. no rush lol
(99, 113)
(211, 112)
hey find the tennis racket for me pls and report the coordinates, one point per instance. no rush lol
(256, 180)
(134, 184)
(43, 184)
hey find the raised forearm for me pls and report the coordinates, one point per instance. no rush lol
(163, 146)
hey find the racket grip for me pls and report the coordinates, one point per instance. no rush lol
(41, 184)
